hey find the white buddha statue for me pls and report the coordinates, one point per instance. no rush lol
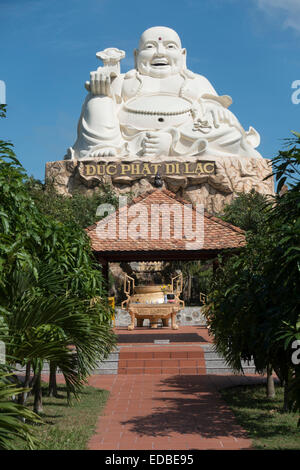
(158, 109)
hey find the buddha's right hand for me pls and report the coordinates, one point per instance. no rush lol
(155, 144)
(100, 83)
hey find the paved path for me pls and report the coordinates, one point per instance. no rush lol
(146, 412)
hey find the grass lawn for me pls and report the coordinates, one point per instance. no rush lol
(263, 419)
(69, 427)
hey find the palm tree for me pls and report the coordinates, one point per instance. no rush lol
(13, 416)
(44, 323)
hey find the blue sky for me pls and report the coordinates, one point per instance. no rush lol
(248, 49)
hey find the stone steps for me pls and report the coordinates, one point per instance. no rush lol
(166, 360)
(162, 360)
(109, 365)
(215, 364)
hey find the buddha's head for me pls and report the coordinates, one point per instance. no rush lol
(160, 53)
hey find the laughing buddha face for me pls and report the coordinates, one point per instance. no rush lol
(160, 54)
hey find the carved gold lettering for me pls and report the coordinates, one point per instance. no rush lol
(199, 168)
(187, 168)
(124, 168)
(111, 169)
(170, 168)
(135, 169)
(90, 170)
(100, 169)
(147, 169)
(156, 166)
(209, 167)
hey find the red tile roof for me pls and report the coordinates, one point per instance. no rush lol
(108, 236)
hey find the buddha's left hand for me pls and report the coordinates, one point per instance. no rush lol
(156, 144)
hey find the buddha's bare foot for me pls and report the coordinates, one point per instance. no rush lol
(105, 152)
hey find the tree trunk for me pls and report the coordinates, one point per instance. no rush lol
(286, 396)
(270, 383)
(37, 390)
(52, 389)
(23, 396)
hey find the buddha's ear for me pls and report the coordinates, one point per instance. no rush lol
(183, 52)
(135, 53)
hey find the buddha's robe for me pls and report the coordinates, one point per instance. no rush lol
(185, 106)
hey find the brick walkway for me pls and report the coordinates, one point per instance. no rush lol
(149, 409)
(146, 412)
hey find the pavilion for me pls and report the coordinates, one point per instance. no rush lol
(160, 226)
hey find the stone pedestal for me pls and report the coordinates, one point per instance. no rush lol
(213, 182)
(186, 316)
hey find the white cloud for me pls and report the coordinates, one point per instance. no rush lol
(288, 11)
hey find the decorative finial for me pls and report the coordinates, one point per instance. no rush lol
(158, 182)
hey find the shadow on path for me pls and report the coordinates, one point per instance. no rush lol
(189, 405)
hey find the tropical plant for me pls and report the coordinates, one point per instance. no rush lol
(290, 334)
(15, 420)
(43, 323)
(256, 293)
(247, 211)
(79, 209)
(19, 218)
(48, 278)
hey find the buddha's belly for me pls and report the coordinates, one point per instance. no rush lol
(155, 112)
